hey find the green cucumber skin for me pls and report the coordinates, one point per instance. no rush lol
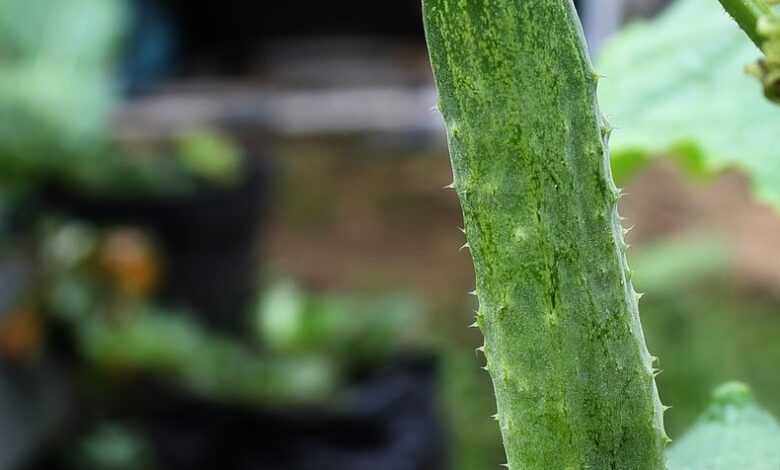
(573, 379)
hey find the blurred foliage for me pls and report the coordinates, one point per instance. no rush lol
(58, 89)
(170, 345)
(676, 85)
(475, 440)
(56, 83)
(706, 334)
(120, 173)
(705, 329)
(210, 155)
(352, 330)
(203, 157)
(733, 433)
(101, 280)
(112, 447)
(675, 263)
(122, 332)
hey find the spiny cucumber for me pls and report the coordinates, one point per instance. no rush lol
(573, 379)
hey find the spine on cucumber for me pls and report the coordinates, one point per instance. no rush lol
(573, 379)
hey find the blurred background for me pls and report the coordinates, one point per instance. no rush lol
(224, 243)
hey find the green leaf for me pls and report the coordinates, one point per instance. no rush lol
(734, 433)
(57, 84)
(173, 347)
(353, 330)
(676, 85)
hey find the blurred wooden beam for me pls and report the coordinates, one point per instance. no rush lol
(283, 113)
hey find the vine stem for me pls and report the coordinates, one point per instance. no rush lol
(746, 13)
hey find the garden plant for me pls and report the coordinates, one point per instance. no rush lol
(529, 146)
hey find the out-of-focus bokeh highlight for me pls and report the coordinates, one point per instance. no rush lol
(224, 243)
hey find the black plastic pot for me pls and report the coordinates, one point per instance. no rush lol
(35, 402)
(387, 420)
(209, 239)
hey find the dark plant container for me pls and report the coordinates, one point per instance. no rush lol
(387, 420)
(208, 239)
(36, 400)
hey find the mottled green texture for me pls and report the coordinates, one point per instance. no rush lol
(734, 433)
(573, 379)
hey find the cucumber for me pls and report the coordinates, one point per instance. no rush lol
(573, 378)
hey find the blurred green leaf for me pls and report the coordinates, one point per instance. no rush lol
(113, 447)
(56, 86)
(468, 396)
(152, 341)
(74, 32)
(673, 264)
(676, 85)
(210, 155)
(353, 330)
(279, 317)
(734, 433)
